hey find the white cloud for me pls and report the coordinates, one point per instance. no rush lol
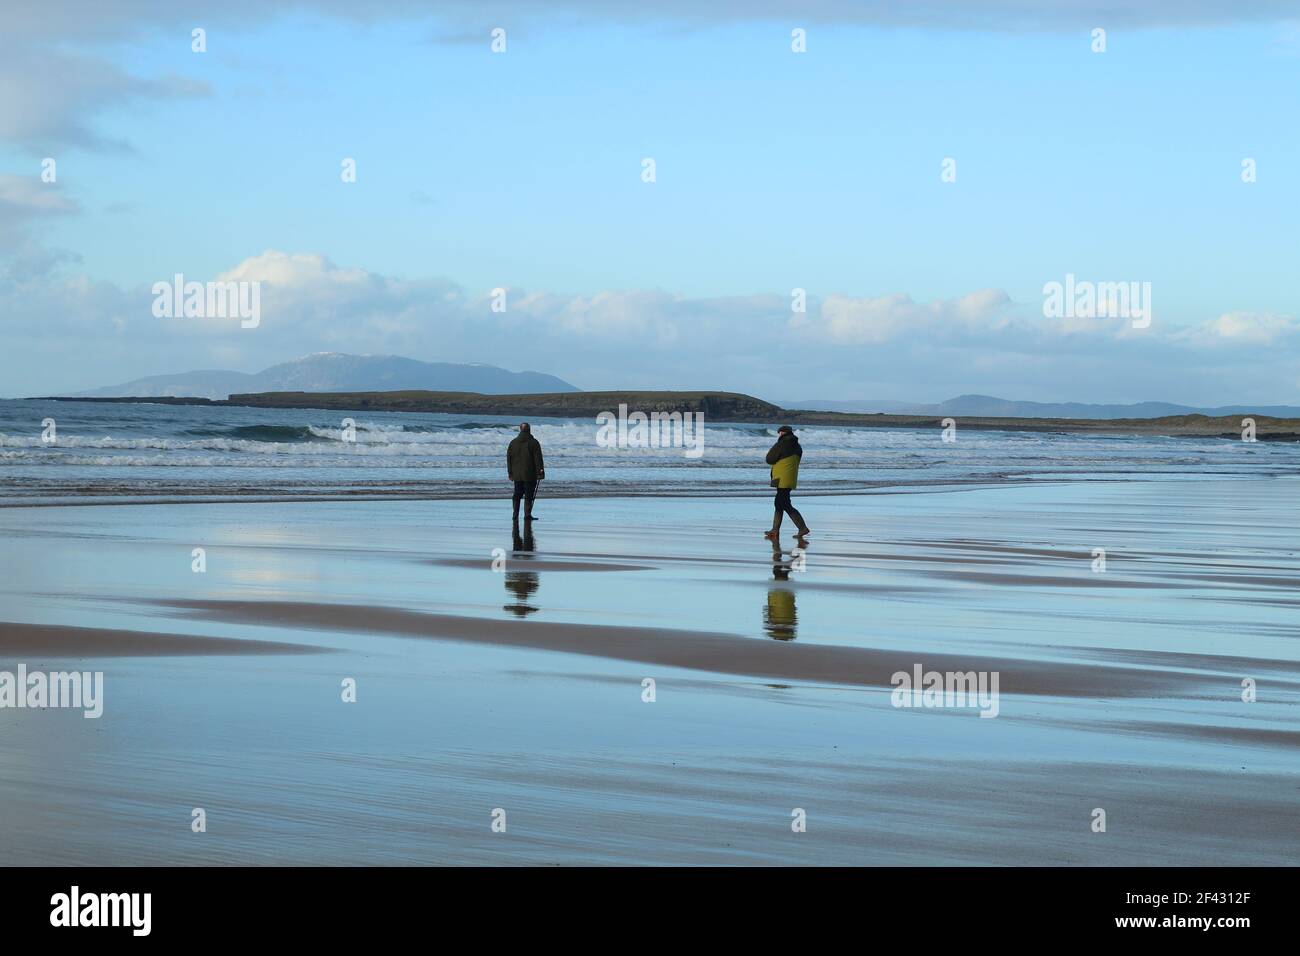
(872, 321)
(50, 96)
(288, 271)
(28, 195)
(24, 202)
(1244, 328)
(845, 347)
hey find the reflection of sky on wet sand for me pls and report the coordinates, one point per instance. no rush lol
(1200, 577)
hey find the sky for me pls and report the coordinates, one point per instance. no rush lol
(774, 171)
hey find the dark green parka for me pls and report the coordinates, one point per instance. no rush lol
(524, 459)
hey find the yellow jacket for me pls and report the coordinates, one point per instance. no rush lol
(784, 458)
(786, 472)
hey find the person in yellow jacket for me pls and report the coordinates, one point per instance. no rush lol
(784, 458)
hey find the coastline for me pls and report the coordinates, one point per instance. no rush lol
(716, 406)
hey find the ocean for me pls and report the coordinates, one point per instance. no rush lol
(175, 452)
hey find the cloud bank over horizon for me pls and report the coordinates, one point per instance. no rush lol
(839, 347)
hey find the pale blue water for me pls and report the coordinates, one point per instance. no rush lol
(163, 452)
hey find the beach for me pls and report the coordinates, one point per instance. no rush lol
(496, 671)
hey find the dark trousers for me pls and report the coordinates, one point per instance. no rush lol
(783, 505)
(528, 491)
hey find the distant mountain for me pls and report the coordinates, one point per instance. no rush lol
(715, 406)
(336, 372)
(986, 406)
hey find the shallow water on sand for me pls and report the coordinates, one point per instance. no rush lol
(521, 687)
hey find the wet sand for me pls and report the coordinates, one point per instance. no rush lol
(735, 654)
(502, 671)
(48, 640)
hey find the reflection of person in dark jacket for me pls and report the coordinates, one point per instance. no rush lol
(524, 466)
(522, 584)
(784, 458)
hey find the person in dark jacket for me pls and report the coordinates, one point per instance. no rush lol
(784, 458)
(524, 467)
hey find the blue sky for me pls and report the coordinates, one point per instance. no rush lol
(775, 170)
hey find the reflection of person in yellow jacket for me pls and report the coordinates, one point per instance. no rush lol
(784, 458)
(779, 615)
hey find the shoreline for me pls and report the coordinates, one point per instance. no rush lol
(716, 406)
(763, 494)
